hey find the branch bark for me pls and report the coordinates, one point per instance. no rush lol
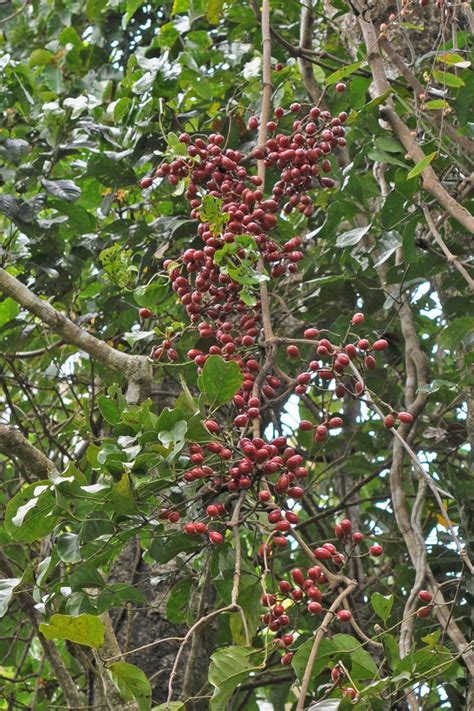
(14, 445)
(136, 369)
(381, 85)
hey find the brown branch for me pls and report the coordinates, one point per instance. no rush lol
(14, 445)
(418, 87)
(449, 255)
(431, 182)
(136, 369)
(65, 680)
(322, 630)
(305, 67)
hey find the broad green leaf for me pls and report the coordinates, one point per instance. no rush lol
(219, 380)
(132, 684)
(8, 310)
(28, 515)
(109, 410)
(436, 104)
(299, 661)
(214, 10)
(40, 57)
(82, 629)
(121, 496)
(132, 7)
(362, 664)
(343, 72)
(421, 165)
(454, 59)
(447, 79)
(7, 588)
(352, 237)
(459, 329)
(229, 667)
(69, 547)
(382, 605)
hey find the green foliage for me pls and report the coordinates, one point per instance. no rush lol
(83, 629)
(94, 97)
(219, 381)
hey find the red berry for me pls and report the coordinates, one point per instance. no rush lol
(287, 639)
(212, 426)
(405, 417)
(424, 611)
(264, 496)
(293, 351)
(145, 313)
(358, 319)
(297, 576)
(357, 537)
(425, 596)
(311, 333)
(306, 425)
(285, 586)
(336, 674)
(295, 107)
(389, 421)
(346, 525)
(344, 615)
(253, 123)
(340, 87)
(315, 608)
(280, 541)
(322, 554)
(212, 511)
(286, 658)
(376, 550)
(145, 183)
(380, 345)
(174, 516)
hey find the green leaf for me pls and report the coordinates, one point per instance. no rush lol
(7, 588)
(28, 515)
(352, 237)
(382, 605)
(421, 165)
(121, 496)
(453, 59)
(448, 79)
(82, 629)
(343, 72)
(214, 9)
(40, 57)
(132, 684)
(436, 385)
(458, 330)
(9, 309)
(219, 381)
(436, 104)
(109, 410)
(229, 667)
(173, 706)
(69, 547)
(132, 7)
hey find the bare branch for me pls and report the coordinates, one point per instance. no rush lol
(136, 369)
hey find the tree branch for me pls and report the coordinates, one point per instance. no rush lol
(431, 182)
(14, 444)
(136, 369)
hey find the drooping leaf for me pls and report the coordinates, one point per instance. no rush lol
(229, 667)
(382, 605)
(219, 380)
(7, 588)
(132, 684)
(29, 514)
(421, 165)
(83, 629)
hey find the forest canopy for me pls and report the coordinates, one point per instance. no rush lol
(236, 330)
